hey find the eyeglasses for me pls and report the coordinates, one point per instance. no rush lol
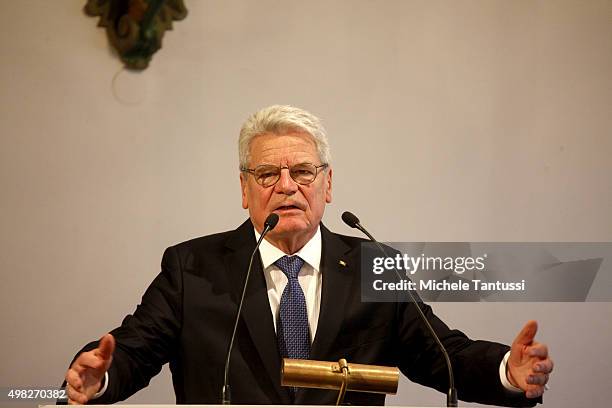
(267, 175)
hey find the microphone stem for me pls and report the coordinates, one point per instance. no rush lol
(226, 391)
(360, 228)
(451, 397)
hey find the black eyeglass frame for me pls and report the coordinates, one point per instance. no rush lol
(280, 168)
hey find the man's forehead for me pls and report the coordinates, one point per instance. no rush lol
(290, 146)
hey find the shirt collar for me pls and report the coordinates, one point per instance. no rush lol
(310, 253)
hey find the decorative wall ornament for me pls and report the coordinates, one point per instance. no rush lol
(136, 27)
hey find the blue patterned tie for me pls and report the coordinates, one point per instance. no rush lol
(293, 330)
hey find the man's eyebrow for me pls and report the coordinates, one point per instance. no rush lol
(306, 161)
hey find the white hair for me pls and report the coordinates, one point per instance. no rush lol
(279, 120)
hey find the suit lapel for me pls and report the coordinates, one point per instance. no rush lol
(256, 313)
(338, 276)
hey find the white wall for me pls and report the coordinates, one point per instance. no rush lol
(449, 120)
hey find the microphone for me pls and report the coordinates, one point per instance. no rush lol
(269, 225)
(352, 221)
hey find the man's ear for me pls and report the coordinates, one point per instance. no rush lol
(243, 187)
(328, 187)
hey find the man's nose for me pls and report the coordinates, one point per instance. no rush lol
(285, 183)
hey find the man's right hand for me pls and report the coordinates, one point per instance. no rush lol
(85, 375)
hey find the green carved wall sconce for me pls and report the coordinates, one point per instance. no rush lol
(136, 27)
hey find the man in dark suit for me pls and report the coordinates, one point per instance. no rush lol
(303, 300)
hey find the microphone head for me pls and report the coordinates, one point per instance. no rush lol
(271, 221)
(350, 219)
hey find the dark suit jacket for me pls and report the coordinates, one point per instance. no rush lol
(186, 317)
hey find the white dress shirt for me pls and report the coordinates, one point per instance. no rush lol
(309, 277)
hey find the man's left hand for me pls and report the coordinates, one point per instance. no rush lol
(529, 365)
